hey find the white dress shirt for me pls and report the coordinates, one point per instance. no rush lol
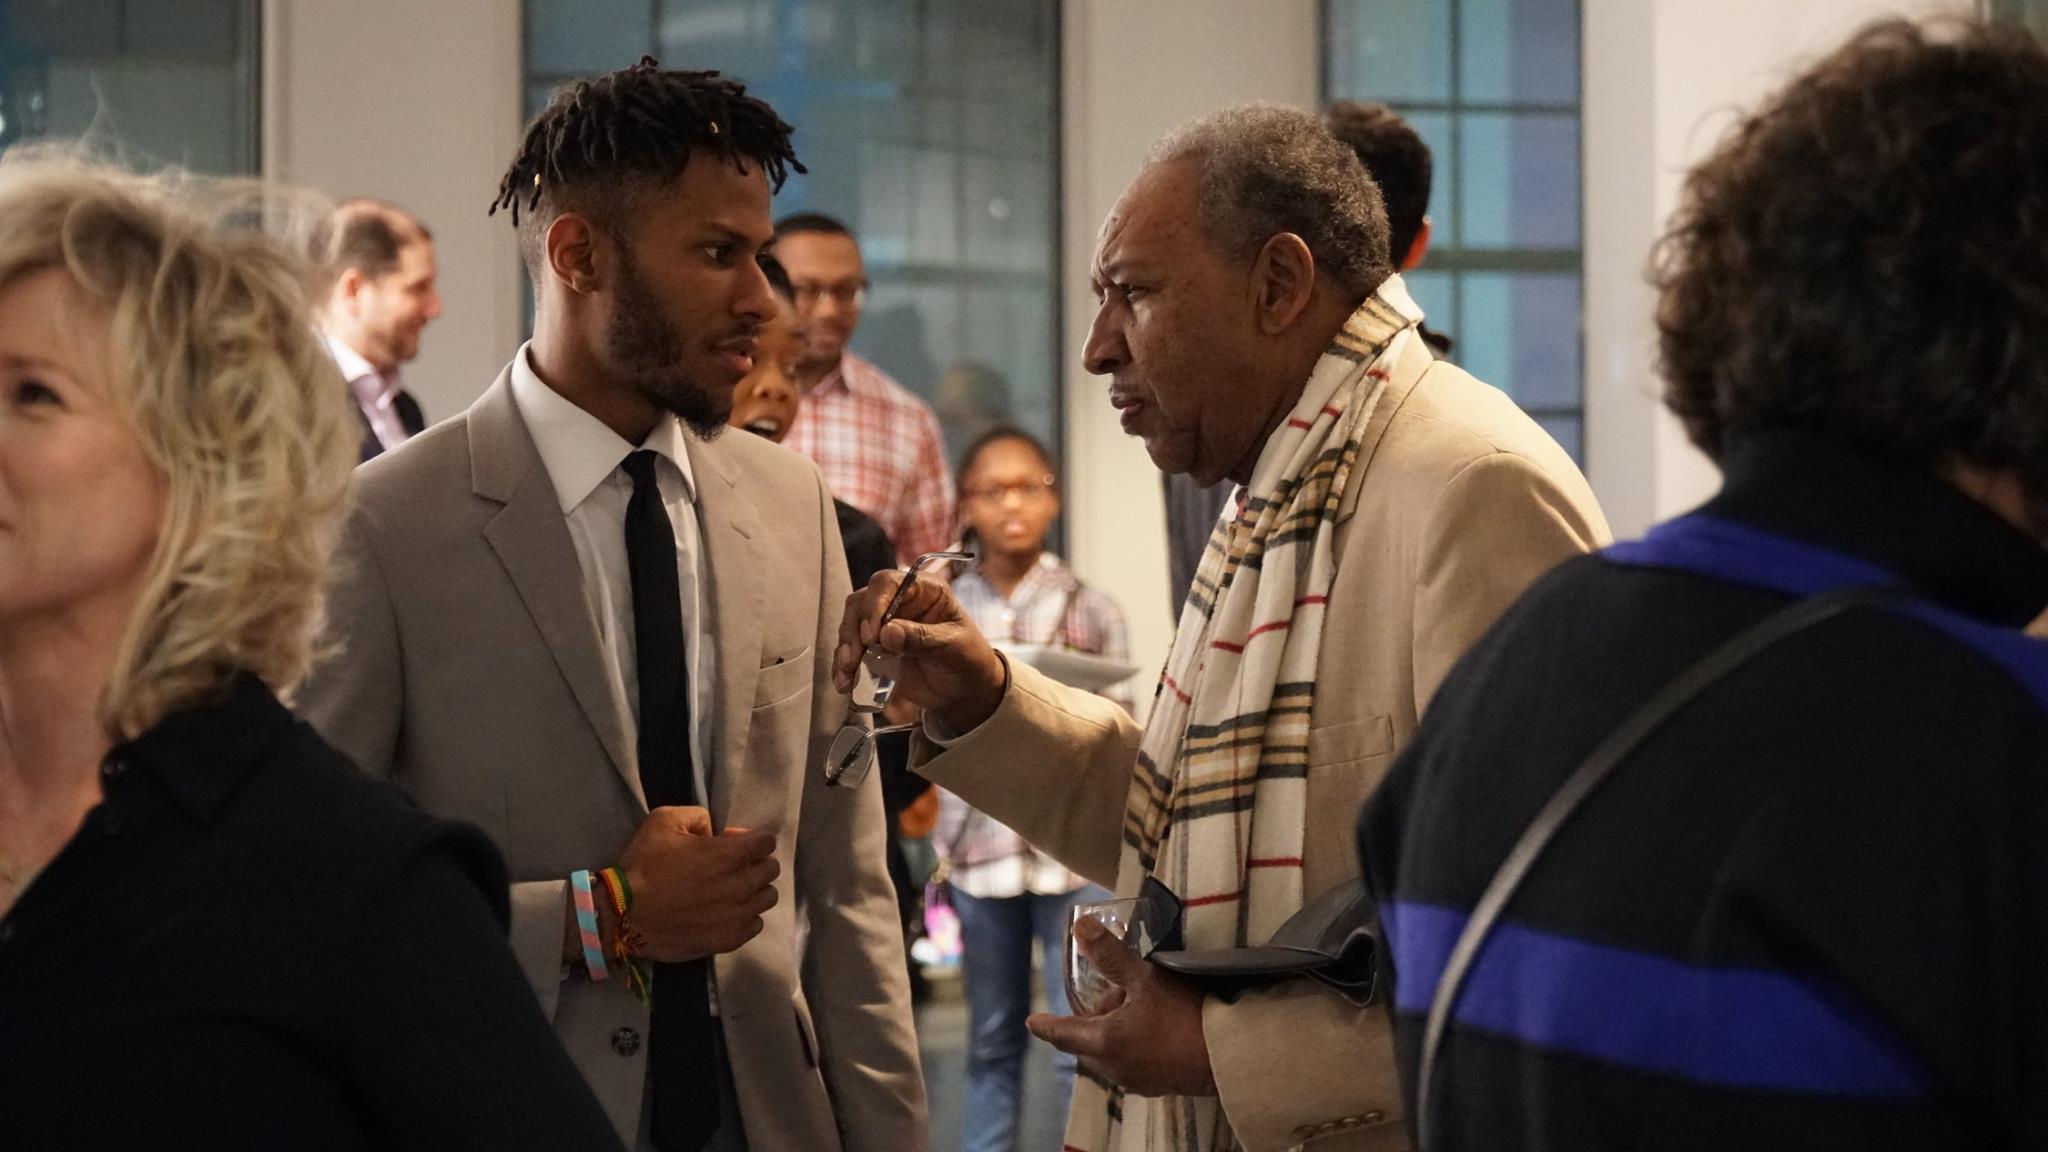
(582, 456)
(375, 393)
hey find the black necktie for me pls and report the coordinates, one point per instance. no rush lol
(682, 1053)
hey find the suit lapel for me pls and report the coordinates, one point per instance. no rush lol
(531, 539)
(732, 553)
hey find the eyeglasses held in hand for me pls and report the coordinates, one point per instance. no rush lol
(852, 754)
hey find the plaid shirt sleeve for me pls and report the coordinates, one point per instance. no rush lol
(924, 511)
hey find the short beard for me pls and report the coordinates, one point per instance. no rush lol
(648, 353)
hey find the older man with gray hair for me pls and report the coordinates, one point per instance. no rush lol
(1389, 508)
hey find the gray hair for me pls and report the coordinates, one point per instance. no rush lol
(1267, 169)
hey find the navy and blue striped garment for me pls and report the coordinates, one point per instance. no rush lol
(1812, 911)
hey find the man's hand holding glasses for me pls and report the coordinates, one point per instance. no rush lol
(905, 634)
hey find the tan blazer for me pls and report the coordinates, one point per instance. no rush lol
(1458, 503)
(471, 673)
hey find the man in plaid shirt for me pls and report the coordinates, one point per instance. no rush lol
(877, 443)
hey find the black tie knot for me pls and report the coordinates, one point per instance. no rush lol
(640, 466)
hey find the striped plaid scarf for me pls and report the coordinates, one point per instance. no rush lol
(1217, 807)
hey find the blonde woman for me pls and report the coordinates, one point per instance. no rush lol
(213, 932)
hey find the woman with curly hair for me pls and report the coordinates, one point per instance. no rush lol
(214, 932)
(1730, 837)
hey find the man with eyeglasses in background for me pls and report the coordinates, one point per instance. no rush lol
(877, 443)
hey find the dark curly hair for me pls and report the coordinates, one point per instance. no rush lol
(601, 139)
(1397, 160)
(1867, 257)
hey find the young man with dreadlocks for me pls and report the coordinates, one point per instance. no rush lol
(567, 620)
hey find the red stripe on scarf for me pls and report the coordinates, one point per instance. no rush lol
(1270, 626)
(1333, 413)
(1219, 898)
(1184, 697)
(1273, 862)
(1305, 601)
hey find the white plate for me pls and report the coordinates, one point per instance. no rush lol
(1075, 669)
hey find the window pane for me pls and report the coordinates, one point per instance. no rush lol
(1433, 291)
(1518, 51)
(168, 82)
(1569, 432)
(1520, 333)
(591, 36)
(1519, 175)
(1435, 130)
(931, 130)
(1390, 50)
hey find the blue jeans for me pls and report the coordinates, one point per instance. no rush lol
(995, 938)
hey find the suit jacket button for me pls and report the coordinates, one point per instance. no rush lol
(626, 1041)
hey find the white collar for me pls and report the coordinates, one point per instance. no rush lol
(580, 451)
(353, 366)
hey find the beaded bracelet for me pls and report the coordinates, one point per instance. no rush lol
(586, 924)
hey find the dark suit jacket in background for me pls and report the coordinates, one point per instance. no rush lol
(867, 546)
(1191, 512)
(409, 414)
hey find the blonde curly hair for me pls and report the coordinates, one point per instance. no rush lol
(234, 398)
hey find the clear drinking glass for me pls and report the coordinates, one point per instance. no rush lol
(1086, 983)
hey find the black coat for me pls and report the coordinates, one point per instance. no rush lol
(867, 546)
(249, 945)
(1808, 911)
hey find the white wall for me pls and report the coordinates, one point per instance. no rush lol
(1133, 70)
(1663, 80)
(417, 102)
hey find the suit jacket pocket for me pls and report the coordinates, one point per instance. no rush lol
(1350, 740)
(1345, 763)
(783, 679)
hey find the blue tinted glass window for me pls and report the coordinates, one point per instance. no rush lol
(587, 36)
(1492, 87)
(1520, 181)
(164, 82)
(1521, 334)
(1397, 49)
(1518, 51)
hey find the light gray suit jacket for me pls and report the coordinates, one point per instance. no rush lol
(470, 671)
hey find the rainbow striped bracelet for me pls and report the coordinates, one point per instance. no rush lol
(586, 924)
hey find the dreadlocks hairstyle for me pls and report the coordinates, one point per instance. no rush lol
(637, 126)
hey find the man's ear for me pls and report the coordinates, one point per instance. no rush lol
(573, 253)
(1283, 279)
(1417, 248)
(347, 287)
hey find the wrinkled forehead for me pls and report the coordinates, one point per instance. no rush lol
(1155, 217)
